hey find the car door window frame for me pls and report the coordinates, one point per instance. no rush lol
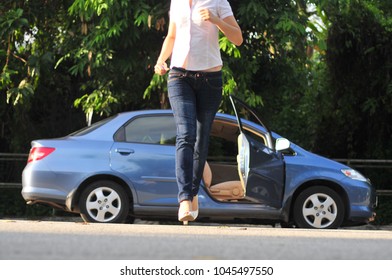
(121, 134)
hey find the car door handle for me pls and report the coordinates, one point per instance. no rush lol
(124, 152)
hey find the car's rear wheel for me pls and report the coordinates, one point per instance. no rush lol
(104, 202)
(318, 207)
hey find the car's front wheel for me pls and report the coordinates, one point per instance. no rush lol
(104, 202)
(318, 207)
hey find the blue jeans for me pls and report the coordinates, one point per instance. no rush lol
(194, 98)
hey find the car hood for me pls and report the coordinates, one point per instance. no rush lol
(315, 159)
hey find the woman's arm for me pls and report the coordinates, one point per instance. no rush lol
(167, 49)
(228, 26)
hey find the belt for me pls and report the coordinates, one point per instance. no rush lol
(197, 74)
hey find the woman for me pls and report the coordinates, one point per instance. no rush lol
(194, 86)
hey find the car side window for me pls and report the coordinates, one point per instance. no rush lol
(158, 130)
(223, 141)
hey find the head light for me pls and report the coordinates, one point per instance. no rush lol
(353, 174)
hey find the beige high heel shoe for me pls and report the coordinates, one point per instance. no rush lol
(195, 207)
(184, 212)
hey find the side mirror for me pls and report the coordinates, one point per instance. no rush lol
(282, 144)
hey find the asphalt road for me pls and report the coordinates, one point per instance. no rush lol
(59, 240)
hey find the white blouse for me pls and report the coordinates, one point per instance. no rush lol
(196, 46)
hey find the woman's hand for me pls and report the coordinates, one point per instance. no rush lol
(161, 68)
(205, 15)
(228, 26)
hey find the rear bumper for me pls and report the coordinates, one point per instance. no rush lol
(44, 187)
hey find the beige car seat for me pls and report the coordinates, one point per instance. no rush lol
(230, 190)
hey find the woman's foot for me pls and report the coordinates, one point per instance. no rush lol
(185, 212)
(195, 207)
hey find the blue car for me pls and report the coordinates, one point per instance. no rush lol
(123, 168)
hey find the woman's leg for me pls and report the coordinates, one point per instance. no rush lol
(183, 103)
(208, 99)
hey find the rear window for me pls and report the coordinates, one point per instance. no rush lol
(94, 126)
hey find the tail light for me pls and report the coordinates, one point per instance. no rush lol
(38, 153)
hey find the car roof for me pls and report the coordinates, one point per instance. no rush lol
(109, 128)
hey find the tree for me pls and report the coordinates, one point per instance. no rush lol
(32, 93)
(74, 57)
(59, 55)
(356, 110)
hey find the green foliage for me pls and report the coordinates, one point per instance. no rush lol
(97, 101)
(12, 25)
(359, 62)
(115, 46)
(273, 73)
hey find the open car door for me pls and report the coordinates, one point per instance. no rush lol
(260, 166)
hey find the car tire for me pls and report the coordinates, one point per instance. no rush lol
(318, 207)
(104, 202)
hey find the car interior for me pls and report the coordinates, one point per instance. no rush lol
(222, 173)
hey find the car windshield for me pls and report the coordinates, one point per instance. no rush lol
(91, 128)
